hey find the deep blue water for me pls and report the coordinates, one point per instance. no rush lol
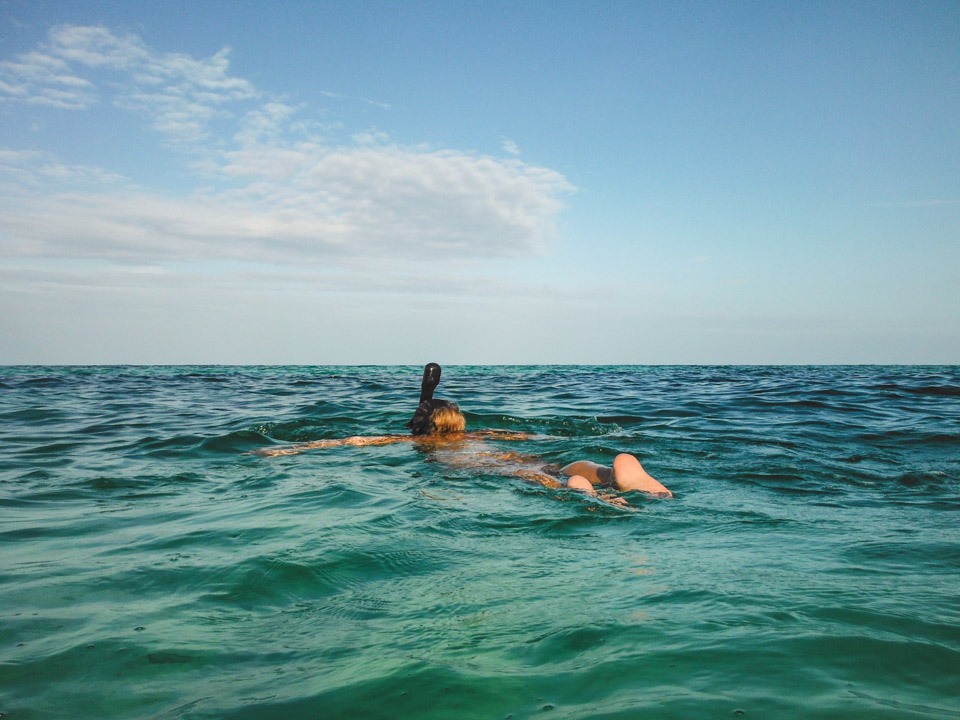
(152, 567)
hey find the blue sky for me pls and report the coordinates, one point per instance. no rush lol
(309, 182)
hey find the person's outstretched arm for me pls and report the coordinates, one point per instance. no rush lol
(355, 440)
(502, 434)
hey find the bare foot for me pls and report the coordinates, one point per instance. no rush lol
(579, 482)
(628, 474)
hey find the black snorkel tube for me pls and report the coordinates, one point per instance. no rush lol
(421, 424)
(431, 378)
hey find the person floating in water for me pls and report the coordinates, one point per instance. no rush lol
(439, 426)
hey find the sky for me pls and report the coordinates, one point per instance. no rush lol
(479, 183)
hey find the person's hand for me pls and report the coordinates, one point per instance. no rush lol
(274, 452)
(613, 499)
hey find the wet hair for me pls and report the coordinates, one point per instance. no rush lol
(447, 419)
(435, 416)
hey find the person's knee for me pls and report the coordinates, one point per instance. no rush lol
(625, 460)
(579, 482)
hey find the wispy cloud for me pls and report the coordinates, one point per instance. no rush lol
(34, 169)
(370, 137)
(315, 281)
(269, 185)
(367, 101)
(180, 93)
(41, 78)
(303, 204)
(510, 146)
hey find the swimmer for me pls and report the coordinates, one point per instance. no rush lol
(440, 426)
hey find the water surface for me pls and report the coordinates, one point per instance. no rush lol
(152, 567)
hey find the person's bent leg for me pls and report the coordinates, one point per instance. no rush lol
(596, 474)
(628, 474)
(579, 482)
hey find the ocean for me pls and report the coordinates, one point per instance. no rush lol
(152, 565)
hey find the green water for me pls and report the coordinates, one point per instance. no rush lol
(152, 567)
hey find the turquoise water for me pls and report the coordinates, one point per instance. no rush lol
(152, 567)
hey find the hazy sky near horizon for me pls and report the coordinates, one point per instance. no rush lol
(484, 182)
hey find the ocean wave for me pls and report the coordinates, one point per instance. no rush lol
(811, 533)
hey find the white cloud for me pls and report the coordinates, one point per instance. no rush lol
(266, 123)
(510, 146)
(299, 205)
(368, 101)
(370, 137)
(180, 93)
(44, 79)
(92, 276)
(97, 47)
(272, 188)
(33, 169)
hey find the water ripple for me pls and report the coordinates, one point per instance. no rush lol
(154, 567)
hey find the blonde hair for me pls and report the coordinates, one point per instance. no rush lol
(448, 420)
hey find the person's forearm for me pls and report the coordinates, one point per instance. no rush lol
(355, 440)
